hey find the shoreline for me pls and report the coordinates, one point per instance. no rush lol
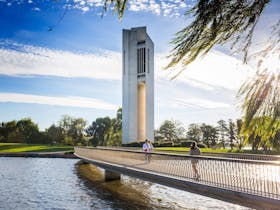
(39, 154)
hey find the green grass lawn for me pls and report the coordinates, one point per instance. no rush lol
(17, 147)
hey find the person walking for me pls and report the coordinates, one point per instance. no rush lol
(195, 151)
(147, 148)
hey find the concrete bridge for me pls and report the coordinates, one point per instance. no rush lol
(247, 182)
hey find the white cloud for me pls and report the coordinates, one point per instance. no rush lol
(30, 60)
(36, 9)
(85, 9)
(166, 8)
(202, 103)
(70, 101)
(216, 69)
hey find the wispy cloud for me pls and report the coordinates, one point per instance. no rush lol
(216, 70)
(169, 8)
(202, 103)
(17, 59)
(71, 101)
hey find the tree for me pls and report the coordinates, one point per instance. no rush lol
(76, 130)
(222, 128)
(209, 135)
(55, 134)
(239, 135)
(29, 130)
(231, 133)
(100, 131)
(72, 129)
(254, 135)
(261, 99)
(194, 132)
(171, 131)
(7, 129)
(115, 138)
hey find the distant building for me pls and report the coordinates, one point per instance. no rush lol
(137, 86)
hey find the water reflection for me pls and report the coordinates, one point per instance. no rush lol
(132, 193)
(122, 194)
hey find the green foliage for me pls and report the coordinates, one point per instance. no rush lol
(194, 132)
(71, 129)
(106, 131)
(239, 135)
(261, 100)
(23, 130)
(231, 133)
(209, 135)
(222, 128)
(170, 131)
(260, 133)
(216, 22)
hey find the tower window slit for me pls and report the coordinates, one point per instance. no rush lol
(141, 60)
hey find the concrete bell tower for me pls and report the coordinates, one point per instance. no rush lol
(137, 86)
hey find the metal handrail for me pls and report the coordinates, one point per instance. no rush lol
(226, 159)
(253, 177)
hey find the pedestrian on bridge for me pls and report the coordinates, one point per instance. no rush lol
(148, 148)
(195, 151)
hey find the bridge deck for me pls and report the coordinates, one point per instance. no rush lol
(255, 180)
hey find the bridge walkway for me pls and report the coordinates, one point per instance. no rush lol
(252, 183)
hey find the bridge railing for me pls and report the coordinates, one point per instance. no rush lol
(244, 156)
(254, 177)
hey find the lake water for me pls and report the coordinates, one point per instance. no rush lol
(44, 183)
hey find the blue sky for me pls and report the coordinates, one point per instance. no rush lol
(75, 68)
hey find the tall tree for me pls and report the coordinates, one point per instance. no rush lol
(194, 132)
(222, 128)
(29, 130)
(116, 130)
(209, 135)
(55, 134)
(100, 131)
(171, 131)
(239, 135)
(72, 129)
(231, 133)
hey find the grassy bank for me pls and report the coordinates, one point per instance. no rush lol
(16, 147)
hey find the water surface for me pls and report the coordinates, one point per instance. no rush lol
(44, 183)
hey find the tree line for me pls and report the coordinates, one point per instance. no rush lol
(67, 131)
(106, 131)
(224, 134)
